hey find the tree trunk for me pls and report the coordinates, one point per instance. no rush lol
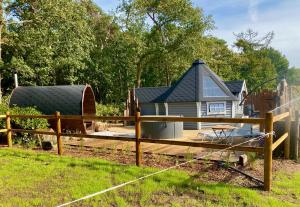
(138, 74)
(168, 76)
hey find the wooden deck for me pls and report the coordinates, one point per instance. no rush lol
(173, 150)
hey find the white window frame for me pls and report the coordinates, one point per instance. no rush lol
(216, 102)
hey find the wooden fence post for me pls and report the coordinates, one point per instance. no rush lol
(137, 138)
(268, 152)
(58, 133)
(8, 127)
(287, 140)
(295, 137)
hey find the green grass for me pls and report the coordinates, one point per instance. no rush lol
(30, 178)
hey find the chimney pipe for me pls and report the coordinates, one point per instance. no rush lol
(16, 80)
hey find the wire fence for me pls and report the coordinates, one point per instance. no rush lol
(266, 125)
(160, 171)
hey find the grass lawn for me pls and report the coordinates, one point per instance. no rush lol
(29, 178)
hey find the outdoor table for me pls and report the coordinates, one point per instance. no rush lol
(226, 130)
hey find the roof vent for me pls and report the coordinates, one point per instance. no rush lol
(199, 61)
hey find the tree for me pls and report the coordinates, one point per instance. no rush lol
(145, 43)
(293, 76)
(167, 38)
(255, 65)
(219, 57)
(53, 48)
(279, 61)
(110, 69)
(250, 41)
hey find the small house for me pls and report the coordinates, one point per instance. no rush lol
(198, 93)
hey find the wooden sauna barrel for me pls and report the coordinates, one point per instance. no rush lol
(67, 99)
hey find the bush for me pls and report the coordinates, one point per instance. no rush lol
(109, 110)
(30, 124)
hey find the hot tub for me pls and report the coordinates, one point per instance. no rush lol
(162, 130)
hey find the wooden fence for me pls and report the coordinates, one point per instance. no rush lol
(265, 124)
(262, 102)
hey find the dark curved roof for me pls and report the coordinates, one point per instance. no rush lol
(67, 99)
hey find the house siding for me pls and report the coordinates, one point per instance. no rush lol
(148, 109)
(185, 109)
(204, 113)
(228, 109)
(238, 109)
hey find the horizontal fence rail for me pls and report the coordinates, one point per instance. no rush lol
(33, 116)
(33, 131)
(76, 117)
(147, 140)
(202, 144)
(281, 116)
(280, 140)
(119, 138)
(147, 118)
(99, 118)
(264, 123)
(2, 116)
(203, 119)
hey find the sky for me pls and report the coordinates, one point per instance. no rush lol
(235, 16)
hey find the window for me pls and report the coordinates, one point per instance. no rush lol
(216, 108)
(211, 89)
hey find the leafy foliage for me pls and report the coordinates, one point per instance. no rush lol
(293, 76)
(144, 43)
(17, 123)
(28, 123)
(109, 110)
(167, 35)
(255, 64)
(51, 47)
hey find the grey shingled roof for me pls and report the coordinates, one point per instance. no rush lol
(49, 99)
(235, 86)
(149, 94)
(184, 90)
(187, 89)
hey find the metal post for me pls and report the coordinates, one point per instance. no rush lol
(287, 140)
(138, 136)
(16, 80)
(295, 137)
(268, 152)
(8, 127)
(58, 133)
